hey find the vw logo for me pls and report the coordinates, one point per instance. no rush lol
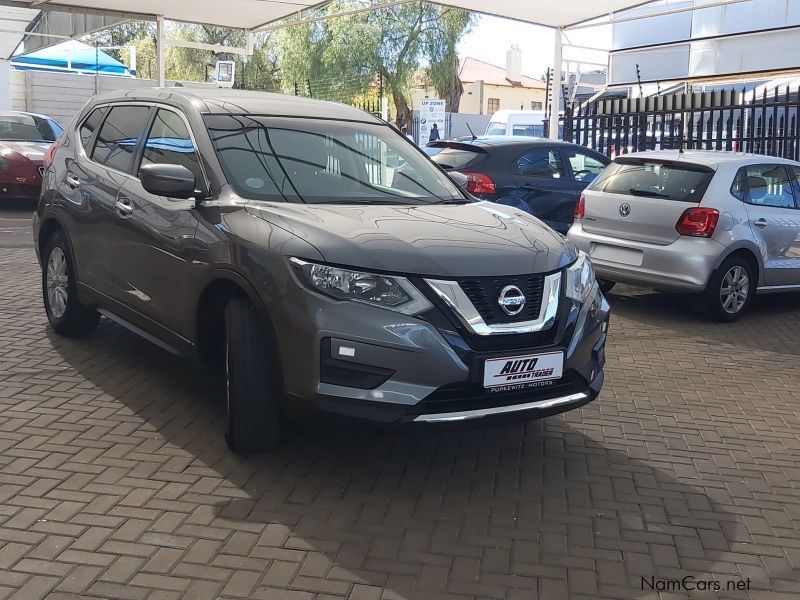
(625, 210)
(511, 300)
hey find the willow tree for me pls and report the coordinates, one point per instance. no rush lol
(392, 43)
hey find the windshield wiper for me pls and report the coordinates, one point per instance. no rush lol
(646, 194)
(454, 201)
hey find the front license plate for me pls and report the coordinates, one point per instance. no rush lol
(522, 371)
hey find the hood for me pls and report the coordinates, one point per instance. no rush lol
(452, 241)
(33, 151)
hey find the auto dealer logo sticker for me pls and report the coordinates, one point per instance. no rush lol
(531, 370)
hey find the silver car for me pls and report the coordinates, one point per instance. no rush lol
(723, 224)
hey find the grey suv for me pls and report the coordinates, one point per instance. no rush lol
(318, 257)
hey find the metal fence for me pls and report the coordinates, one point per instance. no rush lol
(759, 122)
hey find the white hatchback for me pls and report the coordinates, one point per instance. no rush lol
(720, 223)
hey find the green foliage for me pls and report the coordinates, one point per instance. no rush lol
(392, 43)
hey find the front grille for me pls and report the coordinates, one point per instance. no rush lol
(484, 293)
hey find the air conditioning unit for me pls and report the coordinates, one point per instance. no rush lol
(225, 73)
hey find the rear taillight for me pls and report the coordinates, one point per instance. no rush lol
(478, 183)
(580, 208)
(50, 155)
(698, 222)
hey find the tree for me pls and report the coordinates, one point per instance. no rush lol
(392, 43)
(442, 51)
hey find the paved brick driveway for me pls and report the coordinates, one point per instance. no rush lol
(115, 481)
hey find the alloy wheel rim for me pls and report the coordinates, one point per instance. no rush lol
(57, 283)
(735, 290)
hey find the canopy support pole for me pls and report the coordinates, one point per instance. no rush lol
(162, 67)
(558, 67)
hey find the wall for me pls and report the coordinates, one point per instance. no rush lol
(61, 96)
(510, 98)
(707, 42)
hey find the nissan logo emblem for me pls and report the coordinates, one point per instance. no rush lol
(511, 300)
(625, 210)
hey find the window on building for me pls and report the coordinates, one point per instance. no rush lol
(494, 105)
(535, 105)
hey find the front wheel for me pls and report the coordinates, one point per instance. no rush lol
(252, 381)
(67, 316)
(731, 289)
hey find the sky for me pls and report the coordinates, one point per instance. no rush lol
(492, 36)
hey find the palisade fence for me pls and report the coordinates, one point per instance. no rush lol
(760, 122)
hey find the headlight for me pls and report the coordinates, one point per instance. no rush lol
(580, 278)
(395, 293)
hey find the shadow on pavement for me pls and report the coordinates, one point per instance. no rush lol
(477, 511)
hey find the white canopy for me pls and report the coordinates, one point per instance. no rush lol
(253, 14)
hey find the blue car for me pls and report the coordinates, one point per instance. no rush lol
(542, 177)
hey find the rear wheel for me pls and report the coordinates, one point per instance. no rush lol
(67, 316)
(252, 381)
(731, 289)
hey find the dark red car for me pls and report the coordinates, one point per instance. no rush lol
(24, 140)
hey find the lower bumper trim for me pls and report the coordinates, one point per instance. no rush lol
(467, 415)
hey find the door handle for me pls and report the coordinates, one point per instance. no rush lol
(73, 182)
(124, 208)
(761, 223)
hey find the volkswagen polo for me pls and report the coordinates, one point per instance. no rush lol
(317, 257)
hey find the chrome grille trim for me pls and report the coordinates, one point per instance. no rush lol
(452, 294)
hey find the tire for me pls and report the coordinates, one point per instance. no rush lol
(606, 285)
(67, 316)
(735, 274)
(252, 381)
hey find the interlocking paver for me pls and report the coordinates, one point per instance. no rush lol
(115, 481)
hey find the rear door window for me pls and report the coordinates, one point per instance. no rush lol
(539, 162)
(769, 185)
(655, 179)
(119, 137)
(169, 143)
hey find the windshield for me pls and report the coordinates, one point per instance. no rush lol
(319, 161)
(496, 128)
(28, 128)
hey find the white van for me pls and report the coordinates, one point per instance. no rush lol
(517, 122)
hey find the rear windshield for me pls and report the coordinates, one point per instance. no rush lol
(457, 158)
(28, 128)
(321, 161)
(655, 179)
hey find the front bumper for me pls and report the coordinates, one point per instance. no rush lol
(682, 266)
(383, 366)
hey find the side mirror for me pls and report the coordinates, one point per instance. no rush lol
(172, 181)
